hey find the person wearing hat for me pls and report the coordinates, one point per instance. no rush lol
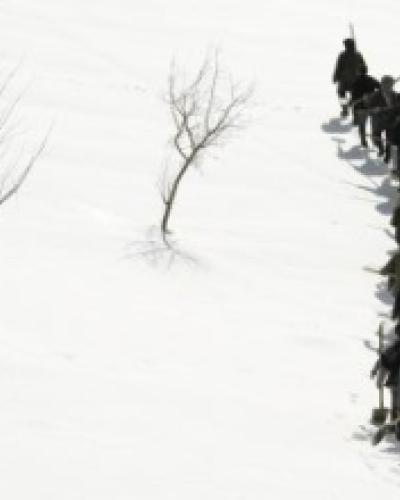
(349, 65)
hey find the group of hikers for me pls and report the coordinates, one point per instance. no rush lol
(368, 98)
(376, 100)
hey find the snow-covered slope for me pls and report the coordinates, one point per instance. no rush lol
(238, 371)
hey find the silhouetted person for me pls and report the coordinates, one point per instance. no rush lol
(363, 86)
(387, 368)
(384, 107)
(349, 65)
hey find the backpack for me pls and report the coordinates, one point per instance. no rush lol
(350, 66)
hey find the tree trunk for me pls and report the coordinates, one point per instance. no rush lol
(171, 197)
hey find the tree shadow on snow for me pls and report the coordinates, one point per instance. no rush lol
(336, 126)
(160, 252)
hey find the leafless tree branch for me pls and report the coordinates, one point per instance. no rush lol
(202, 112)
(4, 196)
(13, 171)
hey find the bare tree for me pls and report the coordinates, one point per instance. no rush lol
(203, 111)
(15, 160)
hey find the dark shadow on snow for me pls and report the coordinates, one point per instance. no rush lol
(357, 154)
(387, 207)
(160, 252)
(360, 160)
(389, 233)
(384, 315)
(385, 190)
(382, 293)
(394, 445)
(336, 126)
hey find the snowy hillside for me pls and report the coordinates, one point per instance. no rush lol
(238, 371)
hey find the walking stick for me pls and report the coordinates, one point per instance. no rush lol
(351, 27)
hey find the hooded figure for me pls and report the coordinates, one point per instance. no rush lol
(349, 65)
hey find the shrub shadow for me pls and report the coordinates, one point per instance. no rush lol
(160, 252)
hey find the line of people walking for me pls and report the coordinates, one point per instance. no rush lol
(368, 97)
(375, 103)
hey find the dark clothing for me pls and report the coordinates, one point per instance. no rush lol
(392, 267)
(397, 234)
(394, 138)
(342, 88)
(349, 65)
(395, 219)
(396, 306)
(392, 270)
(394, 411)
(383, 116)
(390, 360)
(363, 86)
(377, 101)
(394, 131)
(393, 141)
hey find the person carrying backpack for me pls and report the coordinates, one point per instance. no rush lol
(349, 65)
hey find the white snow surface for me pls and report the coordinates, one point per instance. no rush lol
(237, 371)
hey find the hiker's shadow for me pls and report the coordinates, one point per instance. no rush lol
(336, 126)
(390, 192)
(371, 167)
(389, 233)
(386, 207)
(382, 293)
(364, 164)
(392, 445)
(384, 190)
